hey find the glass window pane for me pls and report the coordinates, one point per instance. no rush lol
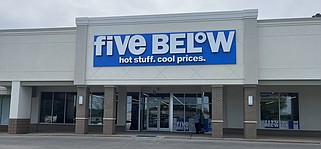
(164, 113)
(134, 97)
(178, 118)
(269, 110)
(46, 107)
(289, 111)
(178, 99)
(190, 99)
(190, 110)
(71, 107)
(178, 113)
(5, 109)
(178, 107)
(199, 99)
(132, 118)
(96, 108)
(206, 111)
(207, 97)
(58, 107)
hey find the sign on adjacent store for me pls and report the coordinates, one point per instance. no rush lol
(183, 48)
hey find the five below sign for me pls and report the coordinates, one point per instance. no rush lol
(190, 48)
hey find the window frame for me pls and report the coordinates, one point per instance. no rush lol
(279, 110)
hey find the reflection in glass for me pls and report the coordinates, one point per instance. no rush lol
(289, 110)
(279, 110)
(96, 108)
(289, 106)
(132, 118)
(46, 107)
(184, 109)
(57, 107)
(190, 99)
(164, 113)
(178, 106)
(207, 109)
(5, 109)
(269, 106)
(153, 113)
(157, 110)
(70, 107)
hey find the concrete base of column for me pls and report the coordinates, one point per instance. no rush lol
(250, 131)
(109, 127)
(19, 126)
(81, 126)
(217, 130)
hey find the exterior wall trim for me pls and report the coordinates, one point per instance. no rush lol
(111, 119)
(5, 83)
(290, 82)
(181, 17)
(250, 122)
(289, 22)
(81, 118)
(40, 31)
(45, 83)
(217, 121)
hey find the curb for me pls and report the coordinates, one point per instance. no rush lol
(159, 136)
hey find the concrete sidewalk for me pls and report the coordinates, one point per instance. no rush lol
(190, 136)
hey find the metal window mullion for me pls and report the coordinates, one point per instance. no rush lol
(52, 104)
(147, 107)
(158, 115)
(65, 108)
(74, 108)
(1, 100)
(90, 107)
(103, 108)
(139, 112)
(279, 97)
(184, 110)
(202, 102)
(171, 111)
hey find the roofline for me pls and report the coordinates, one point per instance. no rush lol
(176, 17)
(289, 22)
(37, 29)
(289, 19)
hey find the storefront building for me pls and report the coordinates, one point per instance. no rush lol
(154, 72)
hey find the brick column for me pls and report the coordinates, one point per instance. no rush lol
(109, 110)
(20, 108)
(250, 114)
(217, 111)
(82, 110)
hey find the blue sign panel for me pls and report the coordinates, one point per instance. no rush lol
(183, 48)
(271, 123)
(182, 125)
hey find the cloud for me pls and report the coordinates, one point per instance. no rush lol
(57, 13)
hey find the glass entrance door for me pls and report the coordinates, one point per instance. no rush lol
(4, 109)
(158, 112)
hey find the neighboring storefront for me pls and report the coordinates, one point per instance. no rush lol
(154, 72)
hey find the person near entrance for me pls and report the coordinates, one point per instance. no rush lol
(197, 122)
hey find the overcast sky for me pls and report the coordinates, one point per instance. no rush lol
(62, 13)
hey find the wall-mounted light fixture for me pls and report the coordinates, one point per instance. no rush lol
(80, 100)
(250, 100)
